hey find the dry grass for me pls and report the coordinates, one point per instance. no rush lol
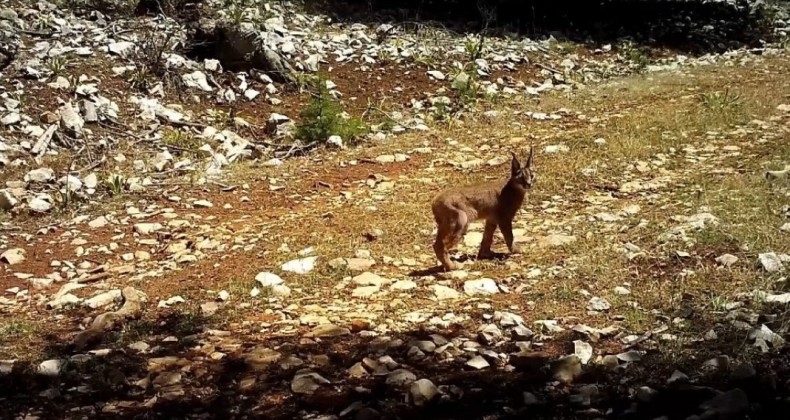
(639, 117)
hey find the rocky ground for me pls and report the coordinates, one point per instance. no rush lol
(171, 249)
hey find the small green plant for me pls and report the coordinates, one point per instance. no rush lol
(425, 59)
(235, 12)
(221, 118)
(57, 65)
(718, 303)
(465, 84)
(181, 141)
(441, 112)
(65, 199)
(239, 11)
(384, 54)
(16, 329)
(303, 81)
(151, 54)
(375, 114)
(474, 46)
(140, 78)
(323, 117)
(638, 56)
(720, 101)
(115, 184)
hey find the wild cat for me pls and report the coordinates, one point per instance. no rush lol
(497, 202)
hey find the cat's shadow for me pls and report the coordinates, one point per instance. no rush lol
(462, 258)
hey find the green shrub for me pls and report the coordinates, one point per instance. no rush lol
(323, 117)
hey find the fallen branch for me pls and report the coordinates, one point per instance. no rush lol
(551, 69)
(296, 149)
(132, 308)
(93, 165)
(36, 33)
(44, 140)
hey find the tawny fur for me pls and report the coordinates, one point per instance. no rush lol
(496, 202)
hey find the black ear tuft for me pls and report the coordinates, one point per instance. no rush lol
(528, 163)
(515, 166)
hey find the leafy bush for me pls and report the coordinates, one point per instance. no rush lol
(323, 117)
(638, 56)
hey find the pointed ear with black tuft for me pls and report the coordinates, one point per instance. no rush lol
(515, 166)
(528, 163)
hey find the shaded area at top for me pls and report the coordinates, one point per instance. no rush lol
(693, 26)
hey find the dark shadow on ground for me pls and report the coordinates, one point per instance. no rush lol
(182, 377)
(690, 26)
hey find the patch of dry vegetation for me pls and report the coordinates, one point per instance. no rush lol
(639, 118)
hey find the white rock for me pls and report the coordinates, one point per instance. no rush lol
(726, 260)
(583, 351)
(103, 299)
(281, 290)
(98, 222)
(422, 391)
(400, 378)
(71, 182)
(478, 362)
(307, 383)
(311, 63)
(461, 81)
(70, 119)
(40, 175)
(7, 201)
(557, 148)
(473, 239)
(197, 80)
(480, 287)
(404, 285)
(783, 298)
(555, 240)
(121, 48)
(11, 119)
(765, 339)
(770, 262)
(90, 181)
(203, 204)
(42, 203)
(52, 367)
(287, 47)
(385, 159)
(267, 279)
(444, 292)
(251, 94)
(147, 228)
(212, 65)
(436, 74)
(63, 300)
(278, 119)
(365, 291)
(369, 279)
(598, 304)
(300, 266)
(622, 291)
(335, 141)
(13, 256)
